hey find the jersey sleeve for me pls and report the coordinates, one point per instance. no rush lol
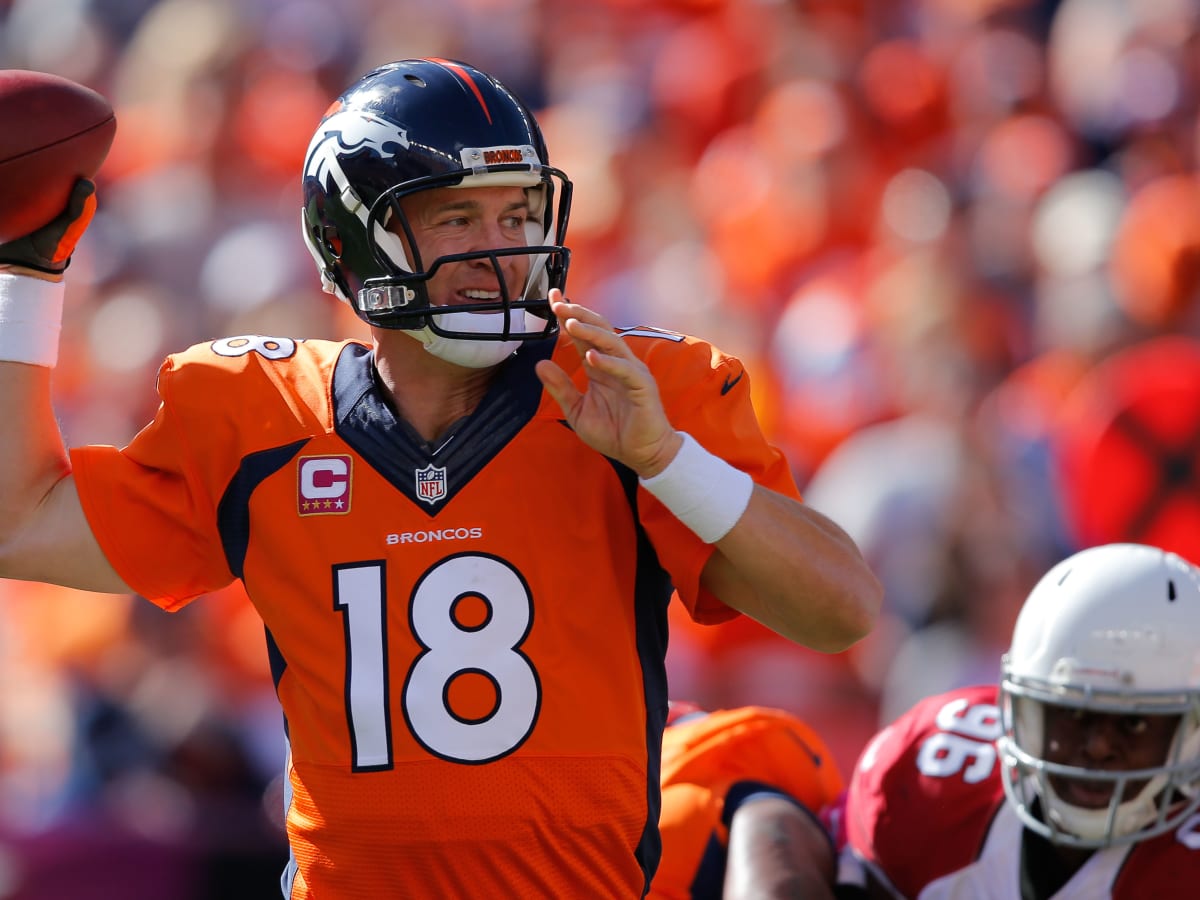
(153, 518)
(711, 762)
(706, 392)
(154, 504)
(757, 744)
(926, 788)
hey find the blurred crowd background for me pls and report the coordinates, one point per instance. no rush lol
(957, 243)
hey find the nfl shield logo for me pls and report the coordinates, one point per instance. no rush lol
(431, 484)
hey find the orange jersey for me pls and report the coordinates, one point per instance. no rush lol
(467, 641)
(712, 761)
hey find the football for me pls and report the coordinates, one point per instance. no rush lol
(52, 132)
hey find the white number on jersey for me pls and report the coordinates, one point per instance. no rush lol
(269, 347)
(965, 743)
(488, 648)
(1188, 833)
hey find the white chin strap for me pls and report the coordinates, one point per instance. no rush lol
(475, 354)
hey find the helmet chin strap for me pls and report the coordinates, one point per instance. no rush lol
(468, 353)
(1092, 824)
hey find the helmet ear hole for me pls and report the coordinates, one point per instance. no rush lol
(332, 241)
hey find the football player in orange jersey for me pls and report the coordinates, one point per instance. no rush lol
(461, 536)
(741, 788)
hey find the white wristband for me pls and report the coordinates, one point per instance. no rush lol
(705, 493)
(30, 319)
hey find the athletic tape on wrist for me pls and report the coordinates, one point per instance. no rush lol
(30, 319)
(705, 493)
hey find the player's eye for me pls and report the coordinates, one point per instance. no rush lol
(1134, 725)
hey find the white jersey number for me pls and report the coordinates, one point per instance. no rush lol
(269, 347)
(471, 613)
(965, 743)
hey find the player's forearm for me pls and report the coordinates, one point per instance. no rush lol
(32, 456)
(795, 571)
(44, 535)
(777, 850)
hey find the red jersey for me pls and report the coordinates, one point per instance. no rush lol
(925, 809)
(711, 761)
(467, 640)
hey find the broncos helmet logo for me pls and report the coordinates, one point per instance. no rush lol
(341, 135)
(344, 134)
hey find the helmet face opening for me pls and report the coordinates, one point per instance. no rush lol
(419, 125)
(399, 298)
(1088, 805)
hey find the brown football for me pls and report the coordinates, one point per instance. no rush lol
(53, 131)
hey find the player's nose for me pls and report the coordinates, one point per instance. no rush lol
(1100, 738)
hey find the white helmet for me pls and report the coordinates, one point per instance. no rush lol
(1112, 629)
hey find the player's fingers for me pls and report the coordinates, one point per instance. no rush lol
(557, 384)
(617, 370)
(563, 311)
(599, 337)
(566, 310)
(79, 214)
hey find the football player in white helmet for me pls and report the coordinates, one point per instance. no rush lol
(1075, 777)
(1100, 698)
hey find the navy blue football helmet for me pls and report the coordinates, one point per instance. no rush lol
(416, 125)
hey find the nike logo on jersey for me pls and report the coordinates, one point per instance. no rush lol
(813, 756)
(729, 383)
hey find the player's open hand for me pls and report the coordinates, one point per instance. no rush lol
(620, 413)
